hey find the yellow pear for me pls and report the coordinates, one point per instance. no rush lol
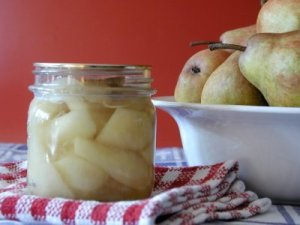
(238, 36)
(271, 63)
(195, 73)
(279, 16)
(227, 85)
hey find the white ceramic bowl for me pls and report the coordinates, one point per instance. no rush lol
(265, 141)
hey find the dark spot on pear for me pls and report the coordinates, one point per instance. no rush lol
(196, 69)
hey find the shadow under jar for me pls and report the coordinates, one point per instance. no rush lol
(91, 132)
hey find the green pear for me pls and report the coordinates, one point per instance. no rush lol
(195, 73)
(271, 63)
(279, 16)
(227, 85)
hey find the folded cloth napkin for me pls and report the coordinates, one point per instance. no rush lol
(182, 195)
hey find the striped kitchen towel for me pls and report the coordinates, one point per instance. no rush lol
(181, 195)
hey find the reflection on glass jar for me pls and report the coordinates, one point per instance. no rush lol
(91, 132)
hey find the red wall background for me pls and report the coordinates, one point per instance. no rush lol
(155, 32)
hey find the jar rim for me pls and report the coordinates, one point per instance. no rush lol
(135, 79)
(44, 67)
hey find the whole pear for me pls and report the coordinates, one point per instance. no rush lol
(195, 73)
(227, 85)
(279, 16)
(271, 62)
(238, 36)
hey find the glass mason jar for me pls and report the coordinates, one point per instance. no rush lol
(91, 132)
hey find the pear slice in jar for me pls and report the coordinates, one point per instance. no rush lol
(42, 177)
(44, 110)
(80, 174)
(100, 117)
(41, 114)
(127, 129)
(125, 167)
(71, 125)
(99, 114)
(37, 128)
(75, 103)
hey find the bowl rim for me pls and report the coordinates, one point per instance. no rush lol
(169, 102)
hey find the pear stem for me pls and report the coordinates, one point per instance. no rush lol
(221, 45)
(195, 43)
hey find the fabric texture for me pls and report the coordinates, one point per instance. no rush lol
(181, 195)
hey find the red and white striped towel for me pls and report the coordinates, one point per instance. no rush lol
(182, 195)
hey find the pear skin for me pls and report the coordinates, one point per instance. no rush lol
(271, 63)
(195, 73)
(227, 85)
(238, 36)
(279, 16)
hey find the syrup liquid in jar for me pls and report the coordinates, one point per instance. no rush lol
(91, 132)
